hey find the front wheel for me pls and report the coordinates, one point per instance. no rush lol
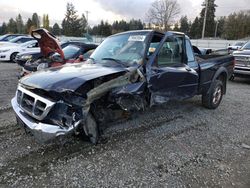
(213, 98)
(91, 129)
(13, 56)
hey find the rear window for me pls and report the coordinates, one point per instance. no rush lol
(71, 51)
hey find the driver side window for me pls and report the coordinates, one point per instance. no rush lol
(171, 52)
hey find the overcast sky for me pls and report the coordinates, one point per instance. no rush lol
(109, 10)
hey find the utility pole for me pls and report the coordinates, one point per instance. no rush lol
(87, 18)
(216, 28)
(205, 19)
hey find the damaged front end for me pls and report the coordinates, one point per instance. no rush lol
(44, 119)
(58, 114)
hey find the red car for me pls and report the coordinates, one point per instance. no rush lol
(53, 55)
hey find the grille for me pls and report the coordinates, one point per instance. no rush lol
(242, 60)
(34, 105)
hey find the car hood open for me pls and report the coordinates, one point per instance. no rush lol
(47, 42)
(67, 77)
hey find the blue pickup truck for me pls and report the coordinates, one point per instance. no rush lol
(128, 72)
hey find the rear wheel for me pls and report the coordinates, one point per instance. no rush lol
(213, 98)
(13, 56)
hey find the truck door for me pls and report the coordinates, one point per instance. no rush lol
(168, 74)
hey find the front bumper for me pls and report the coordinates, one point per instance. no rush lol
(42, 132)
(4, 57)
(242, 70)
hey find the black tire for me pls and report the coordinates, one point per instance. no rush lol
(212, 99)
(232, 78)
(90, 129)
(13, 56)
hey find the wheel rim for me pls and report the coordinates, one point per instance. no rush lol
(13, 56)
(217, 94)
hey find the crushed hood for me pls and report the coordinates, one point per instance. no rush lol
(67, 77)
(47, 42)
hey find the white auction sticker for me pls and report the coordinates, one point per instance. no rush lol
(137, 38)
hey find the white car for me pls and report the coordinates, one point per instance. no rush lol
(16, 40)
(8, 53)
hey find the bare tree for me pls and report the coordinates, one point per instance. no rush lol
(162, 12)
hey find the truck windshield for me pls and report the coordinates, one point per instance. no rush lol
(246, 46)
(126, 49)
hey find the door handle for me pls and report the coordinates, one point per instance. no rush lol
(188, 69)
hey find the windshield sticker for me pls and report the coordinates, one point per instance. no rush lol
(140, 38)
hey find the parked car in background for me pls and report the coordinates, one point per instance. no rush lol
(8, 37)
(52, 53)
(201, 51)
(242, 61)
(32, 56)
(235, 47)
(8, 53)
(128, 72)
(16, 40)
(72, 54)
(223, 51)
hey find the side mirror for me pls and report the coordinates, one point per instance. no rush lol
(151, 51)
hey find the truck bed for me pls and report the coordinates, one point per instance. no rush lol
(210, 56)
(209, 63)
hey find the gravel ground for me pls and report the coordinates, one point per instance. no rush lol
(180, 144)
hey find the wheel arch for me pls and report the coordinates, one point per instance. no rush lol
(13, 54)
(221, 74)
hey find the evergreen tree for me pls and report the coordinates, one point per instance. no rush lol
(56, 29)
(237, 25)
(220, 27)
(35, 20)
(46, 21)
(115, 27)
(210, 23)
(195, 30)
(176, 27)
(29, 26)
(95, 30)
(123, 25)
(4, 29)
(19, 24)
(83, 23)
(184, 26)
(71, 24)
(12, 26)
(135, 25)
(107, 29)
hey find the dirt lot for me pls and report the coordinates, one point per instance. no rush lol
(180, 144)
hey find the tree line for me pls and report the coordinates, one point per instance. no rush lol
(232, 27)
(17, 25)
(106, 29)
(161, 16)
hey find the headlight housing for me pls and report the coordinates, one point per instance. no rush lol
(2, 51)
(26, 57)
